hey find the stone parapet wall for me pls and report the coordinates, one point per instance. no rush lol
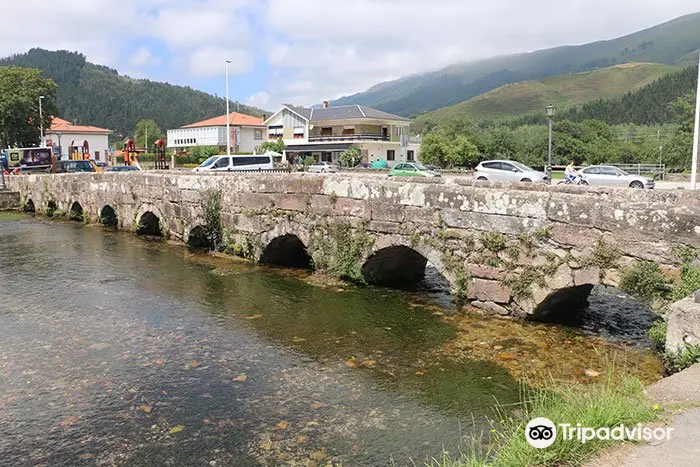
(505, 248)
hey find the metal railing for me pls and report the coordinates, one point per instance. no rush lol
(367, 137)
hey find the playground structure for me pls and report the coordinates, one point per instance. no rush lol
(131, 153)
(79, 153)
(159, 151)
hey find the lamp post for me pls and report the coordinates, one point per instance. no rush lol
(41, 122)
(228, 116)
(551, 110)
(696, 137)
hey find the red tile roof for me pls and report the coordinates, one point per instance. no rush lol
(236, 119)
(58, 125)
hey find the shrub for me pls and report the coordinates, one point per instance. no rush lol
(645, 281)
(657, 334)
(679, 361)
(494, 241)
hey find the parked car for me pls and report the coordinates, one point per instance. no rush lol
(123, 168)
(322, 167)
(508, 171)
(608, 175)
(412, 169)
(235, 163)
(76, 166)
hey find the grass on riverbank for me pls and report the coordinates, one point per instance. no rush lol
(617, 401)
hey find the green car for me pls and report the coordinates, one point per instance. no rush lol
(412, 169)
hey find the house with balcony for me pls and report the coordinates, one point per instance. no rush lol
(326, 132)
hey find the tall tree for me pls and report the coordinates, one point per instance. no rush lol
(20, 89)
(147, 132)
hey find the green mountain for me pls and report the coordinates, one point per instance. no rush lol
(671, 43)
(96, 95)
(564, 91)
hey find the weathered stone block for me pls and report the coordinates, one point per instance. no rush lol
(683, 324)
(352, 208)
(9, 200)
(388, 212)
(292, 202)
(244, 223)
(422, 215)
(492, 308)
(563, 278)
(488, 291)
(254, 201)
(582, 237)
(321, 205)
(490, 222)
(486, 272)
(384, 227)
(588, 275)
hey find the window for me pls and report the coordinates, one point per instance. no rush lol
(509, 167)
(258, 135)
(222, 163)
(327, 131)
(399, 166)
(592, 171)
(390, 155)
(275, 132)
(609, 171)
(411, 155)
(492, 165)
(299, 132)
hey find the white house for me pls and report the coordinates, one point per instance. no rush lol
(62, 135)
(326, 132)
(247, 133)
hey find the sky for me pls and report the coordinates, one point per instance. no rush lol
(306, 51)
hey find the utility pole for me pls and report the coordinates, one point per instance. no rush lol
(696, 135)
(228, 116)
(41, 123)
(551, 111)
(145, 145)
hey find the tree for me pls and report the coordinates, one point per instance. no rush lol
(20, 89)
(147, 128)
(351, 157)
(444, 149)
(274, 146)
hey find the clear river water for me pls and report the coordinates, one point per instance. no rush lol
(115, 350)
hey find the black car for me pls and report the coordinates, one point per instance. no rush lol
(75, 166)
(123, 168)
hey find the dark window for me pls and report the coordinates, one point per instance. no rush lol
(509, 168)
(609, 171)
(390, 155)
(399, 167)
(592, 171)
(411, 155)
(221, 163)
(239, 161)
(261, 160)
(327, 131)
(492, 165)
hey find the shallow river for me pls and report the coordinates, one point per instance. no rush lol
(117, 350)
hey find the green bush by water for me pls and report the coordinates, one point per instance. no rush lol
(617, 401)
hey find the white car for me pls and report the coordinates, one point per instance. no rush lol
(322, 167)
(608, 175)
(235, 164)
(508, 171)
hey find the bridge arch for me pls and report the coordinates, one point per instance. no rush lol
(108, 217)
(51, 208)
(149, 221)
(29, 206)
(199, 238)
(76, 212)
(399, 264)
(288, 251)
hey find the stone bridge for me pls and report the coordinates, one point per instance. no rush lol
(507, 249)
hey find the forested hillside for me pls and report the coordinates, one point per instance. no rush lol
(564, 91)
(97, 95)
(671, 43)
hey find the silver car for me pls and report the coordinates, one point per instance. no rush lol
(508, 171)
(608, 175)
(323, 167)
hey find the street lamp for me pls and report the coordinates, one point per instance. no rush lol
(41, 122)
(228, 116)
(551, 110)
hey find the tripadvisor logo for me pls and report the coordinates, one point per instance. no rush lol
(541, 433)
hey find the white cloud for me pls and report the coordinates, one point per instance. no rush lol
(141, 57)
(211, 61)
(259, 99)
(343, 52)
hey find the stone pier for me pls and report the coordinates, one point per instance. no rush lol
(9, 200)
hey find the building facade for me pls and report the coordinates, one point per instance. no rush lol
(327, 132)
(247, 133)
(62, 135)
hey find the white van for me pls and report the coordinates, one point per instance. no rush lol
(235, 163)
